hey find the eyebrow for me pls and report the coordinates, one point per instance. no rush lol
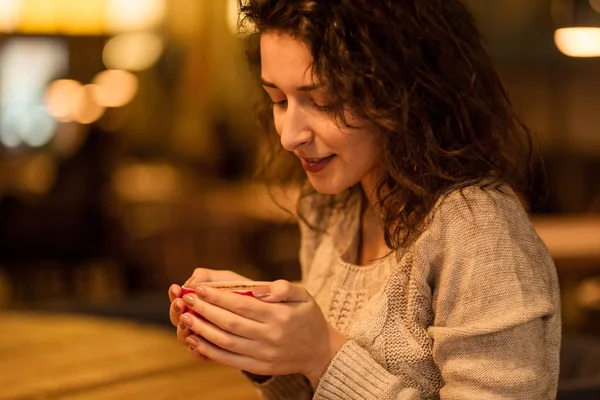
(303, 88)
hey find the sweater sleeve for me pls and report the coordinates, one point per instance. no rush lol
(495, 330)
(496, 301)
(292, 387)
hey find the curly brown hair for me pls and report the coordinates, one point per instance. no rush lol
(419, 71)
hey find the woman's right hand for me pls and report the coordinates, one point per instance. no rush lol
(177, 305)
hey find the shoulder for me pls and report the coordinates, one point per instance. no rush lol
(481, 231)
(483, 237)
(481, 210)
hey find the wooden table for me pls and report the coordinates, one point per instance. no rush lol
(74, 357)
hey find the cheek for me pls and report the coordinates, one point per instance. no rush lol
(366, 153)
(363, 145)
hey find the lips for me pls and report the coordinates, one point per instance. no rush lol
(315, 165)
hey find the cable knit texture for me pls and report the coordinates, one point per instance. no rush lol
(471, 310)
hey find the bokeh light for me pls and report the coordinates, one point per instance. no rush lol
(10, 127)
(9, 15)
(86, 109)
(578, 41)
(134, 15)
(133, 52)
(114, 88)
(39, 127)
(60, 99)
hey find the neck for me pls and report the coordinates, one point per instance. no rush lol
(372, 242)
(369, 187)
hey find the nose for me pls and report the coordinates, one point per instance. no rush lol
(295, 131)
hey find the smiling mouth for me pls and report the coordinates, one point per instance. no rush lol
(315, 160)
(315, 165)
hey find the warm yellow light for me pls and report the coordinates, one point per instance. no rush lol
(114, 88)
(87, 110)
(232, 16)
(9, 14)
(578, 41)
(80, 17)
(60, 99)
(133, 51)
(134, 15)
(37, 16)
(85, 17)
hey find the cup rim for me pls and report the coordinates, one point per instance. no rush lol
(228, 285)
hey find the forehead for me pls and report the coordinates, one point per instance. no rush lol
(285, 60)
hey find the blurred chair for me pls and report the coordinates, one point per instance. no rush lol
(44, 245)
(579, 368)
(587, 298)
(47, 240)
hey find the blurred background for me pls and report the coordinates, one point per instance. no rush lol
(127, 148)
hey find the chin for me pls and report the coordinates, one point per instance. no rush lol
(326, 187)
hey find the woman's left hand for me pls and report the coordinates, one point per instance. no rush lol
(282, 331)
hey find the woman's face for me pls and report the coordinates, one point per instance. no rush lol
(334, 157)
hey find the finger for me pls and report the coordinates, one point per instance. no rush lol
(281, 291)
(200, 275)
(195, 355)
(217, 336)
(183, 331)
(225, 357)
(175, 310)
(174, 292)
(207, 298)
(213, 275)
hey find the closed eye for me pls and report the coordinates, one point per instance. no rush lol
(321, 107)
(280, 104)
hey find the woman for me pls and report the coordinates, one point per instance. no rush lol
(422, 275)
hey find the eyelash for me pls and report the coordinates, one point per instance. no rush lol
(282, 103)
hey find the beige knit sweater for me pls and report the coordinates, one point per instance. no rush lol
(471, 310)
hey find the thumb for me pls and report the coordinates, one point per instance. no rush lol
(281, 291)
(200, 275)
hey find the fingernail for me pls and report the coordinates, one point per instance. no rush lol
(186, 320)
(200, 292)
(261, 291)
(182, 326)
(176, 307)
(192, 340)
(189, 299)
